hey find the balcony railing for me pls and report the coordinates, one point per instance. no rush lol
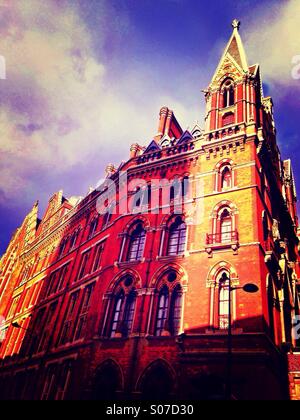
(222, 238)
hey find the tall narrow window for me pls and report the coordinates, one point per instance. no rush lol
(61, 277)
(129, 313)
(136, 243)
(175, 189)
(50, 383)
(177, 237)
(56, 280)
(48, 329)
(93, 227)
(226, 178)
(86, 303)
(98, 256)
(224, 304)
(62, 247)
(162, 311)
(108, 215)
(117, 314)
(228, 93)
(73, 239)
(225, 226)
(84, 265)
(186, 187)
(146, 201)
(68, 325)
(175, 312)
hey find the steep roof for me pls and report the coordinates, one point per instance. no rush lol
(234, 52)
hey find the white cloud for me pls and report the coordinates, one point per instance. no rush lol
(58, 110)
(273, 41)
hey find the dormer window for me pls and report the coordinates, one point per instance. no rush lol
(228, 93)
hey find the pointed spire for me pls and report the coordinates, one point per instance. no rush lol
(235, 46)
(234, 50)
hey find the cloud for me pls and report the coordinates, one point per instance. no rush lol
(59, 109)
(273, 41)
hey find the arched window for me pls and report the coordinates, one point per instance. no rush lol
(136, 243)
(228, 93)
(177, 237)
(106, 219)
(117, 313)
(176, 310)
(226, 178)
(107, 215)
(73, 239)
(129, 313)
(93, 227)
(62, 247)
(162, 311)
(224, 301)
(186, 187)
(225, 226)
(175, 189)
(123, 313)
(146, 201)
(169, 307)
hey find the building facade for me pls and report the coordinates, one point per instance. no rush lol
(125, 293)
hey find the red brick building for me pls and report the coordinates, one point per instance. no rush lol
(121, 294)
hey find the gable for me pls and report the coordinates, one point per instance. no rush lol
(153, 147)
(186, 137)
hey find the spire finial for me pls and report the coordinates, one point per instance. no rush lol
(236, 24)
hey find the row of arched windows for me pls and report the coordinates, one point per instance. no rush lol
(175, 242)
(167, 308)
(137, 236)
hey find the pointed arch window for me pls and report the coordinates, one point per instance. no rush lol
(93, 227)
(176, 311)
(224, 304)
(136, 243)
(226, 178)
(129, 313)
(225, 226)
(177, 237)
(62, 247)
(123, 314)
(228, 93)
(162, 311)
(169, 311)
(117, 313)
(73, 239)
(175, 189)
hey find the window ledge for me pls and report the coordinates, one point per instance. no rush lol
(171, 257)
(220, 331)
(123, 264)
(234, 245)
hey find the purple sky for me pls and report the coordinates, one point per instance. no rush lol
(86, 78)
